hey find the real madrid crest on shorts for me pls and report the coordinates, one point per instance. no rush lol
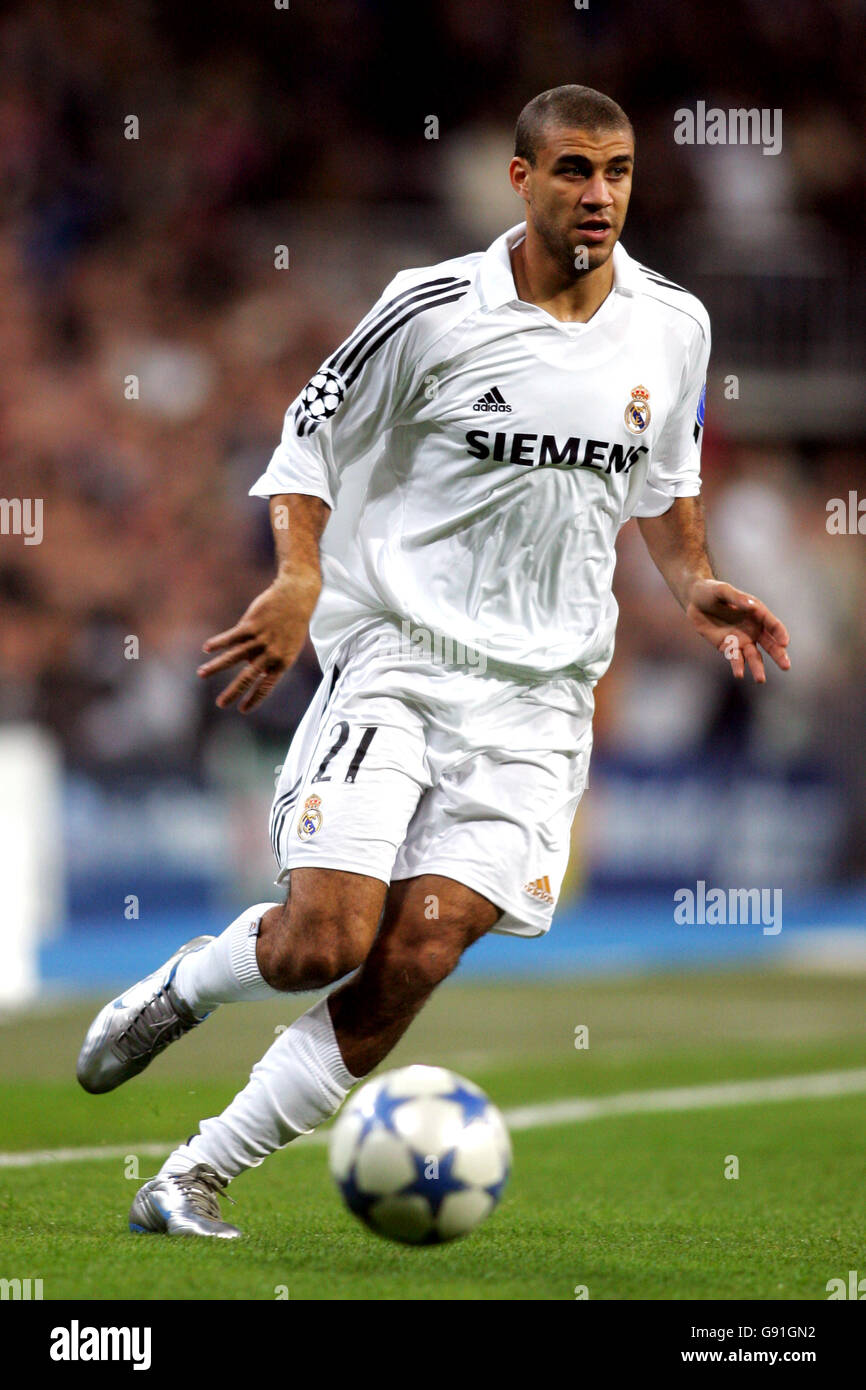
(637, 412)
(311, 818)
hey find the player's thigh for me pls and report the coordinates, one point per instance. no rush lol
(427, 924)
(435, 917)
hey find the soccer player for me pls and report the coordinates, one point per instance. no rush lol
(445, 503)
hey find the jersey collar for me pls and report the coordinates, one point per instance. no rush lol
(496, 278)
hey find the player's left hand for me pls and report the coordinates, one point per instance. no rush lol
(737, 624)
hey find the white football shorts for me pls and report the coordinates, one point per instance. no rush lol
(405, 764)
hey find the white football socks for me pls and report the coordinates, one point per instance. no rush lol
(226, 970)
(301, 1081)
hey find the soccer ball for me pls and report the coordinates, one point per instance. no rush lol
(420, 1155)
(323, 395)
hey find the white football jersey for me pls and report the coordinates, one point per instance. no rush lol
(479, 458)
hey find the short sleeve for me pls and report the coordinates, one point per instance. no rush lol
(675, 469)
(346, 406)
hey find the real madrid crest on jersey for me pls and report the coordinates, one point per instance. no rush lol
(637, 412)
(311, 818)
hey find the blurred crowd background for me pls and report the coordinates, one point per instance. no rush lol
(308, 127)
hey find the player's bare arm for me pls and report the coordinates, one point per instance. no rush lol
(270, 635)
(678, 545)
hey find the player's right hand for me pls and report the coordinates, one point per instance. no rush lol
(267, 639)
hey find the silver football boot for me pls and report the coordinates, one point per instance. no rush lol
(183, 1205)
(129, 1032)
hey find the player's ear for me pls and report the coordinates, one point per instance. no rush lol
(519, 171)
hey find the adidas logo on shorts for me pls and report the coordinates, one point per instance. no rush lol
(539, 888)
(492, 400)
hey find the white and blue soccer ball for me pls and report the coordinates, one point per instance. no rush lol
(323, 395)
(421, 1155)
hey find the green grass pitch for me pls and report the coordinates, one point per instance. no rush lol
(633, 1206)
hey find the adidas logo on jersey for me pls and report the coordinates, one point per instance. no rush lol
(539, 888)
(492, 400)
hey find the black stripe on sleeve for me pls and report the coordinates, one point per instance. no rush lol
(425, 298)
(385, 328)
(383, 338)
(661, 280)
(371, 321)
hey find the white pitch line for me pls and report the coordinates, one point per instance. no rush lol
(812, 1086)
(32, 1158)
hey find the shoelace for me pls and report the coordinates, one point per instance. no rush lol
(160, 1014)
(201, 1186)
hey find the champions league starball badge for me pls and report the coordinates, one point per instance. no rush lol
(323, 395)
(637, 412)
(311, 818)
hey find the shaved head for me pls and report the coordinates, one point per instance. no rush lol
(578, 108)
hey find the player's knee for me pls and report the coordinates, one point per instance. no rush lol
(319, 946)
(324, 962)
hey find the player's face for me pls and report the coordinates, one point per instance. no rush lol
(577, 193)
